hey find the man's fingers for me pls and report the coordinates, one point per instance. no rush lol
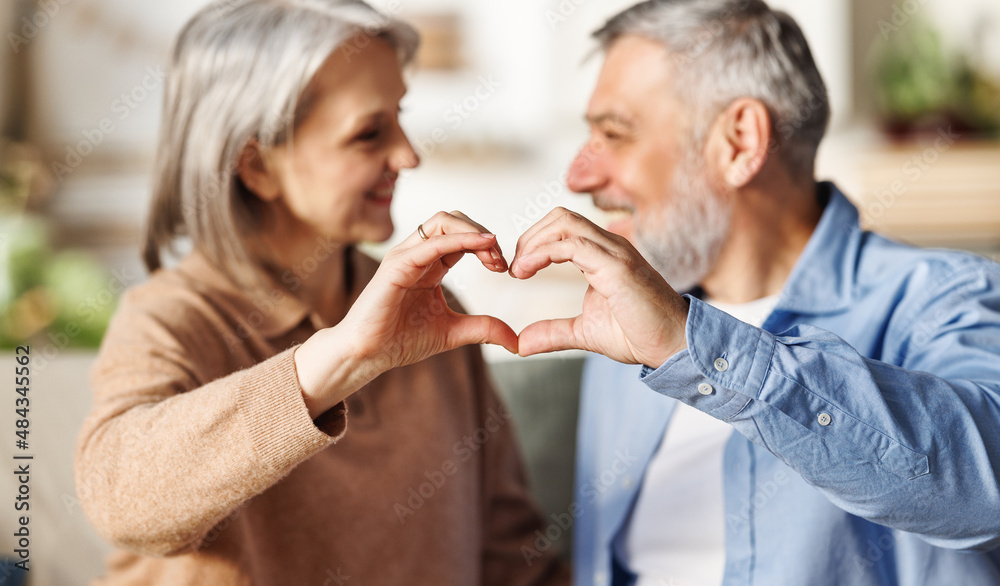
(585, 254)
(482, 329)
(558, 225)
(549, 336)
(545, 223)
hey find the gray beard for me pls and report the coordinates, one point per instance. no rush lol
(682, 239)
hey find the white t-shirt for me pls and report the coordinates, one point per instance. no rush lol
(676, 533)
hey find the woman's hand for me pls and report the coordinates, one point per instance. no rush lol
(402, 317)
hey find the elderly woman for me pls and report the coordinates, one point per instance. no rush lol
(280, 409)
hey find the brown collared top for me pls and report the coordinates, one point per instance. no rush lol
(201, 465)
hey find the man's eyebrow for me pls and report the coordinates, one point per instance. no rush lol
(616, 119)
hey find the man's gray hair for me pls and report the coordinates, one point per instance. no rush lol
(723, 50)
(238, 73)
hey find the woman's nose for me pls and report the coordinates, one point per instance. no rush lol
(403, 155)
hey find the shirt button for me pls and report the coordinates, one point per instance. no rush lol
(705, 389)
(627, 482)
(721, 364)
(600, 578)
(824, 419)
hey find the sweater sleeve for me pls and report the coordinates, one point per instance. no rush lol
(164, 455)
(512, 520)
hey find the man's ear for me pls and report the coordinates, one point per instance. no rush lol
(740, 141)
(257, 172)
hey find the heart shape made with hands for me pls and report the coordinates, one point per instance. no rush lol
(402, 316)
(629, 312)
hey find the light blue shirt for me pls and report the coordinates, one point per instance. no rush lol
(868, 416)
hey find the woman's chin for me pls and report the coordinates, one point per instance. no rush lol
(380, 233)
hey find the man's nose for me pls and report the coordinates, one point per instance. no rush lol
(584, 173)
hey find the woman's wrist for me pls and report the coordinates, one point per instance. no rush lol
(330, 370)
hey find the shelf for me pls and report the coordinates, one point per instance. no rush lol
(934, 193)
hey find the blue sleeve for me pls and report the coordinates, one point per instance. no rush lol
(913, 446)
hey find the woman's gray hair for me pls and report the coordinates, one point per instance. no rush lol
(238, 73)
(723, 50)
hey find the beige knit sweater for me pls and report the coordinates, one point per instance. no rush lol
(201, 464)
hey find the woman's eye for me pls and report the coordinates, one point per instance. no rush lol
(368, 135)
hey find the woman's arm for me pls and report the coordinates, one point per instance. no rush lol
(164, 456)
(168, 453)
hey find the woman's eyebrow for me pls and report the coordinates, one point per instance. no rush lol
(361, 120)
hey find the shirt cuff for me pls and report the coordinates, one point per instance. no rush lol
(276, 417)
(723, 368)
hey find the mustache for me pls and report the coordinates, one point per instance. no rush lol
(606, 202)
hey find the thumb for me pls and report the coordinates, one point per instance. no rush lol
(548, 336)
(481, 329)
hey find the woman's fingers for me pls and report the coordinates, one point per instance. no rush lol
(412, 263)
(482, 329)
(443, 223)
(462, 217)
(456, 221)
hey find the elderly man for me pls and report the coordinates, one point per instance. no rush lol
(861, 377)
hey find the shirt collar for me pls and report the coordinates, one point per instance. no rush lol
(271, 310)
(823, 279)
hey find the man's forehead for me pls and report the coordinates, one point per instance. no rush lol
(636, 74)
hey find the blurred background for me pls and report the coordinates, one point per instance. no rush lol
(495, 110)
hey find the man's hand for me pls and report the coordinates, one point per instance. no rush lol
(630, 313)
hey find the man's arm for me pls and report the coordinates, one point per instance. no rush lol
(915, 447)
